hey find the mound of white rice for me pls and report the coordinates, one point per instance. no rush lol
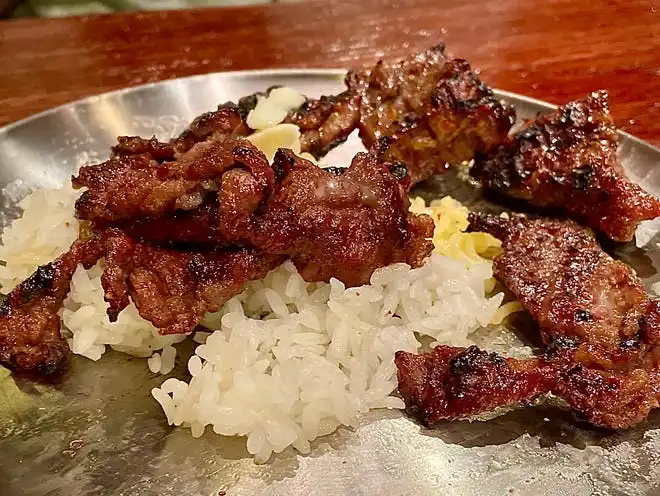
(291, 361)
(286, 361)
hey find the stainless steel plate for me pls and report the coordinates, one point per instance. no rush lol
(100, 432)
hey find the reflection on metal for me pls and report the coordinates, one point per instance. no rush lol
(100, 432)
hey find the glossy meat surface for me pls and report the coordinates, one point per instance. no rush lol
(568, 161)
(343, 226)
(565, 280)
(173, 289)
(437, 108)
(132, 186)
(30, 339)
(453, 383)
(450, 383)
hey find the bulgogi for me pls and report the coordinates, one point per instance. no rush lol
(182, 232)
(600, 327)
(183, 224)
(568, 160)
(436, 107)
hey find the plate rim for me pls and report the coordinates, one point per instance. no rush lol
(329, 72)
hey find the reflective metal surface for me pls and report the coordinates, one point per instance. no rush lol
(100, 432)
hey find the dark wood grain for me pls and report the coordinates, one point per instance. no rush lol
(555, 50)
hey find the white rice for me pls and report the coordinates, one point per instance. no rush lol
(89, 329)
(45, 230)
(320, 354)
(285, 361)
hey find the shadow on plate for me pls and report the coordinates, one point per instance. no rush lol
(549, 424)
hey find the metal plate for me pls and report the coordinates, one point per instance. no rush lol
(100, 432)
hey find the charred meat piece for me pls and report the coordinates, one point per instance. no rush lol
(173, 289)
(609, 398)
(30, 339)
(326, 123)
(223, 123)
(568, 161)
(343, 226)
(133, 186)
(564, 279)
(436, 107)
(451, 383)
(601, 328)
(134, 145)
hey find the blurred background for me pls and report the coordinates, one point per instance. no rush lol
(61, 8)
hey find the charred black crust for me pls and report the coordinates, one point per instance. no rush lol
(83, 201)
(472, 359)
(242, 151)
(630, 344)
(399, 171)
(247, 104)
(498, 171)
(42, 279)
(581, 177)
(583, 315)
(384, 143)
(560, 346)
(283, 161)
(335, 171)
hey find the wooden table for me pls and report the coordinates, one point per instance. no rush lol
(555, 50)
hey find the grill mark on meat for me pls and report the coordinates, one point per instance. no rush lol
(134, 186)
(327, 122)
(435, 388)
(565, 280)
(568, 160)
(173, 289)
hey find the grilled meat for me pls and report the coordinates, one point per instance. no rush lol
(564, 279)
(182, 229)
(30, 339)
(568, 160)
(451, 383)
(225, 122)
(326, 123)
(343, 226)
(133, 186)
(600, 326)
(173, 289)
(181, 236)
(436, 107)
